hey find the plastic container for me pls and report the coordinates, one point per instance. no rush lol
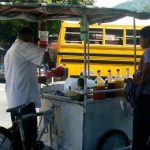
(119, 84)
(71, 84)
(99, 96)
(99, 80)
(43, 35)
(111, 85)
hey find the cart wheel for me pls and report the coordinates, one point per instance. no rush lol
(113, 140)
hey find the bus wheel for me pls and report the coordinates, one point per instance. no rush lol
(113, 140)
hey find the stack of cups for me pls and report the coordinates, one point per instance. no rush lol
(43, 35)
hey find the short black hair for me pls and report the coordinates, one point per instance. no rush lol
(145, 32)
(25, 30)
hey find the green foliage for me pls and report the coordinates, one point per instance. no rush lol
(24, 1)
(147, 8)
(135, 5)
(8, 30)
(84, 2)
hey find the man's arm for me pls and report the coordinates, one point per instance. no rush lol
(47, 59)
(142, 78)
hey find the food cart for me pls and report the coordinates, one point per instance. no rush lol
(100, 124)
(88, 124)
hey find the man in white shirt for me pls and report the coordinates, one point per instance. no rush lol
(21, 62)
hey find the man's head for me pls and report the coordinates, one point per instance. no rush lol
(145, 37)
(26, 34)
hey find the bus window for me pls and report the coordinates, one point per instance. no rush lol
(130, 37)
(114, 37)
(95, 35)
(72, 35)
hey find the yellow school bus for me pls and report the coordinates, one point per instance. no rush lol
(111, 47)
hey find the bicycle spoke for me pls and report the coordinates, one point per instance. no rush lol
(2, 141)
(5, 140)
(5, 144)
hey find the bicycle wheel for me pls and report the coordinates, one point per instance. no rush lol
(5, 139)
(113, 140)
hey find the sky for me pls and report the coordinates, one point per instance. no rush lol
(108, 3)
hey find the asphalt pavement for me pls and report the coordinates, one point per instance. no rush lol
(4, 116)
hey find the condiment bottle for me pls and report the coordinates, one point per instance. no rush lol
(109, 78)
(81, 86)
(99, 80)
(109, 81)
(128, 75)
(100, 85)
(119, 83)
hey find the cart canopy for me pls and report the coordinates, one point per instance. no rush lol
(37, 12)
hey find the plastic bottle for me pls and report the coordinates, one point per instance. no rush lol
(99, 80)
(128, 75)
(109, 81)
(80, 86)
(43, 42)
(109, 78)
(81, 81)
(119, 83)
(69, 86)
(100, 85)
(118, 77)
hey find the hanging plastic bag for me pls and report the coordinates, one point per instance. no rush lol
(132, 92)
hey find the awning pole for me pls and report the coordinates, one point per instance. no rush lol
(88, 51)
(85, 31)
(85, 24)
(134, 33)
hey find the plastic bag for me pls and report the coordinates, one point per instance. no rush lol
(132, 92)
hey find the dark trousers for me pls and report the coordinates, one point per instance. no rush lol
(141, 123)
(29, 127)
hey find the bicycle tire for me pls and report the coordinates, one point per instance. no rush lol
(6, 139)
(114, 139)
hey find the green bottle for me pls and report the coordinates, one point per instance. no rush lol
(81, 86)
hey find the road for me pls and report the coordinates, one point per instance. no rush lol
(4, 116)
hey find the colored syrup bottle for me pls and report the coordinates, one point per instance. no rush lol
(100, 85)
(119, 83)
(109, 81)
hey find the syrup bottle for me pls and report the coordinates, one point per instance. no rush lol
(118, 77)
(109, 78)
(100, 85)
(119, 83)
(109, 81)
(81, 86)
(128, 75)
(99, 80)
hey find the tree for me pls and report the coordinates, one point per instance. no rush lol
(9, 30)
(147, 8)
(84, 2)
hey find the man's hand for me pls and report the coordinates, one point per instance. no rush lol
(42, 79)
(127, 80)
(52, 64)
(138, 81)
(47, 59)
